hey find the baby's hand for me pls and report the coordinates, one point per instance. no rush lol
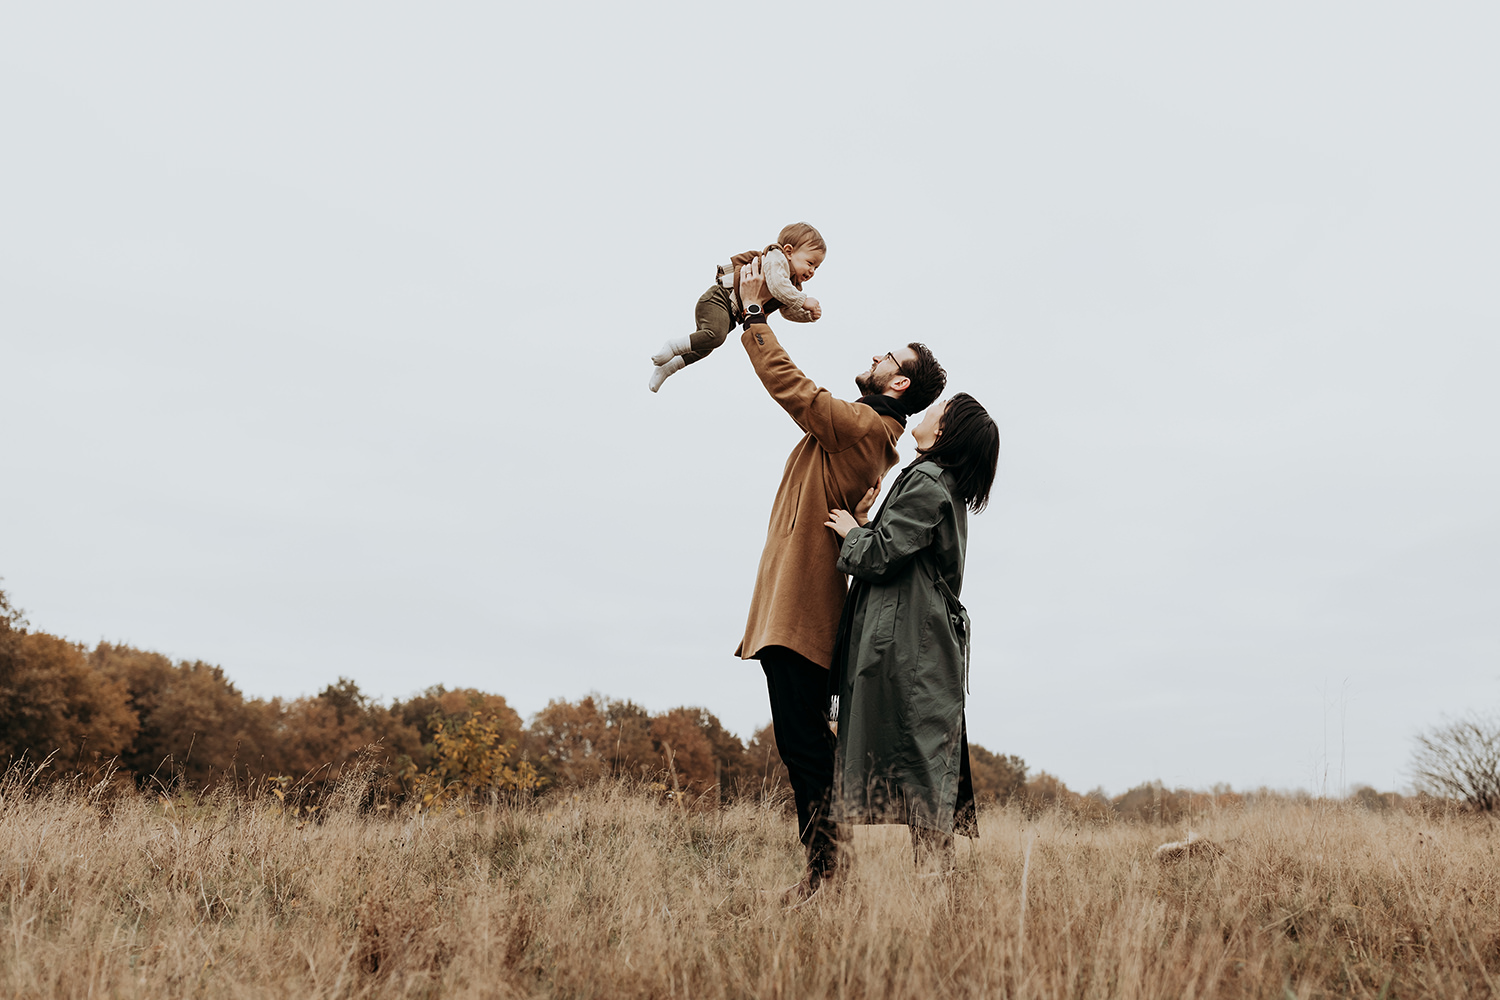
(813, 308)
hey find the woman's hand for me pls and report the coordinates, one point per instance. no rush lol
(753, 285)
(840, 521)
(862, 510)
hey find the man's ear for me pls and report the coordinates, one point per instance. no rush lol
(900, 383)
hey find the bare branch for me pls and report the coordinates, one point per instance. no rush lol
(1461, 760)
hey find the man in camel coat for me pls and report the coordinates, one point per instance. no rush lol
(846, 448)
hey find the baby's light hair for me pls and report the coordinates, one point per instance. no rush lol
(799, 235)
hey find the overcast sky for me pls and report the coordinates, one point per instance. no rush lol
(324, 332)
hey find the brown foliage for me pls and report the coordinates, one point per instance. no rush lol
(472, 759)
(628, 742)
(317, 737)
(577, 743)
(52, 701)
(1047, 791)
(998, 778)
(1154, 803)
(567, 742)
(735, 775)
(438, 703)
(194, 724)
(763, 764)
(678, 736)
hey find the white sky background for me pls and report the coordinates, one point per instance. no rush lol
(324, 337)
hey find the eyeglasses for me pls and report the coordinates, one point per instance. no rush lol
(899, 369)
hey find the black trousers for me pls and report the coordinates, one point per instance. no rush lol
(799, 717)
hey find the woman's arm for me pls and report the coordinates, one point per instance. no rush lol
(877, 553)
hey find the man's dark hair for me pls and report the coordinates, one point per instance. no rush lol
(927, 381)
(968, 444)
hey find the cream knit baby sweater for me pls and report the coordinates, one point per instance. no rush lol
(777, 271)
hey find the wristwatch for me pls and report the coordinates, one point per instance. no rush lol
(754, 314)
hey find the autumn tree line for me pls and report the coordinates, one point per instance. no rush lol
(177, 726)
(185, 724)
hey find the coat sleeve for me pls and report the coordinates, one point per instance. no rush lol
(836, 424)
(877, 552)
(778, 272)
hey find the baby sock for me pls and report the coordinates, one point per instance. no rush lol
(670, 350)
(662, 371)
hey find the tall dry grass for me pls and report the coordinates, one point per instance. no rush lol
(612, 893)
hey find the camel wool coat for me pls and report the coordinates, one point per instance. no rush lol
(846, 448)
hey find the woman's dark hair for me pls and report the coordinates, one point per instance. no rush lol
(969, 444)
(927, 381)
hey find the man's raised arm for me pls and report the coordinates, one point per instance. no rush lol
(835, 423)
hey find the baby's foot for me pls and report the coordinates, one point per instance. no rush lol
(662, 371)
(670, 350)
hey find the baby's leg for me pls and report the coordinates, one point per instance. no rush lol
(715, 320)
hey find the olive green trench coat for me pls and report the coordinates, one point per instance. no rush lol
(900, 665)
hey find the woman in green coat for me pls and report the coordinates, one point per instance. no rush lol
(901, 664)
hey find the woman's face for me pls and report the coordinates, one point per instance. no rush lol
(926, 433)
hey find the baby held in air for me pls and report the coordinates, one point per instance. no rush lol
(787, 264)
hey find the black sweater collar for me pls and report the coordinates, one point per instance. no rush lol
(883, 405)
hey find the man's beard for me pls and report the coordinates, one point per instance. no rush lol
(869, 383)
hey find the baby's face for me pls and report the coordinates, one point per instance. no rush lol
(805, 262)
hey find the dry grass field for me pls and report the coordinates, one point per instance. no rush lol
(614, 893)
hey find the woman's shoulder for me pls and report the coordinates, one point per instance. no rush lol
(926, 470)
(936, 479)
(927, 477)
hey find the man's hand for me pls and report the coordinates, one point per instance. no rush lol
(753, 285)
(812, 306)
(841, 521)
(862, 509)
